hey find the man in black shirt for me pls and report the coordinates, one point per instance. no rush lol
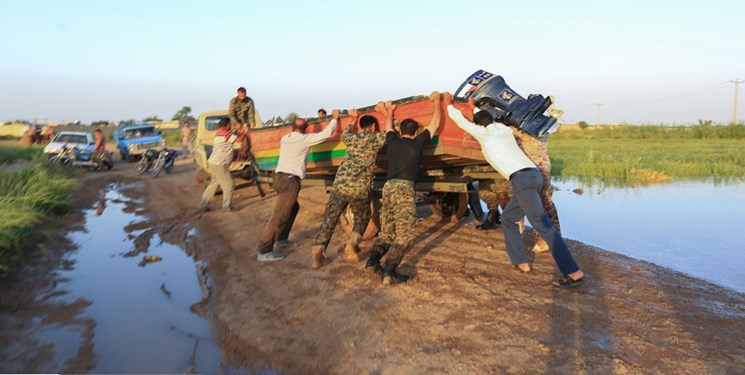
(398, 215)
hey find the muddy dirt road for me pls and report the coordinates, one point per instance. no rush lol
(465, 311)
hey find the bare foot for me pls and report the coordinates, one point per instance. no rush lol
(525, 267)
(576, 275)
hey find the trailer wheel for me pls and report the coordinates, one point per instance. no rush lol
(346, 220)
(452, 205)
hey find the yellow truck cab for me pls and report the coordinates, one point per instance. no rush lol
(206, 129)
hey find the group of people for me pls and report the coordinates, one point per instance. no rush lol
(353, 182)
(36, 134)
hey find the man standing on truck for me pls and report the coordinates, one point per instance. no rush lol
(501, 151)
(241, 110)
(219, 161)
(352, 184)
(398, 216)
(293, 154)
(242, 116)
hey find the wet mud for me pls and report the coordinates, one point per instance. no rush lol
(465, 311)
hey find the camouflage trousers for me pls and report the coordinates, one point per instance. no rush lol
(397, 221)
(498, 193)
(336, 205)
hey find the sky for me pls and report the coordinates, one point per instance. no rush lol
(647, 61)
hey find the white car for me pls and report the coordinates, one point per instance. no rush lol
(80, 140)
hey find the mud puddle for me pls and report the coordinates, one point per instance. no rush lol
(141, 306)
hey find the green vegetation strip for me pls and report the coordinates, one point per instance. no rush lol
(30, 188)
(649, 154)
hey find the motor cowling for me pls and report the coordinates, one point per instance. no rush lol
(491, 93)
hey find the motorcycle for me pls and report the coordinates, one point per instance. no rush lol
(75, 157)
(166, 157)
(146, 161)
(155, 161)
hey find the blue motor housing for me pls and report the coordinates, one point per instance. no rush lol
(492, 93)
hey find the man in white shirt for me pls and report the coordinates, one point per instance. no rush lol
(501, 151)
(293, 154)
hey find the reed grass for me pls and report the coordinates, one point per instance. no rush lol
(651, 160)
(9, 154)
(27, 194)
(704, 131)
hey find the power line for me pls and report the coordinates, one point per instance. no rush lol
(657, 100)
(676, 96)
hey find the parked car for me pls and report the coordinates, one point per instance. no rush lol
(79, 140)
(133, 141)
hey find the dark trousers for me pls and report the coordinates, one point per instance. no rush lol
(285, 210)
(526, 201)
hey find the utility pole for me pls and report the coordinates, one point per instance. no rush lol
(597, 120)
(734, 110)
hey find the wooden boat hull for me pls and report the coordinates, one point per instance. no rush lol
(450, 148)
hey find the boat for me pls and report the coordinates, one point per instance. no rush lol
(450, 147)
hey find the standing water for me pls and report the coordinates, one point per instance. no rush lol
(143, 322)
(690, 226)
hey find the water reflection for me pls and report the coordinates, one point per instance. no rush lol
(143, 322)
(689, 226)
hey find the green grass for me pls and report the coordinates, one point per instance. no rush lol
(172, 137)
(645, 160)
(707, 131)
(9, 153)
(27, 194)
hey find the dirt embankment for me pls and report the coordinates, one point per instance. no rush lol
(465, 311)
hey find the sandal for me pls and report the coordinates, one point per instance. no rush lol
(568, 282)
(522, 270)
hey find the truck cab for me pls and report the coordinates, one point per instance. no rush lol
(133, 141)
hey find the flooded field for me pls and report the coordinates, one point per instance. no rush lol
(141, 307)
(690, 226)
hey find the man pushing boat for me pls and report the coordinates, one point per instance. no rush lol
(353, 182)
(398, 216)
(501, 151)
(291, 166)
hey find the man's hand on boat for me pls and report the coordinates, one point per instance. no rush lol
(352, 113)
(434, 96)
(380, 107)
(447, 98)
(335, 114)
(389, 106)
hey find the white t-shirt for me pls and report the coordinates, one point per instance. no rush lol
(498, 144)
(294, 148)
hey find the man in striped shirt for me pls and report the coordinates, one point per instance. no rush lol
(219, 161)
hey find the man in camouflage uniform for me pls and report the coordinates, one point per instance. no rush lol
(499, 193)
(352, 184)
(242, 116)
(241, 110)
(398, 215)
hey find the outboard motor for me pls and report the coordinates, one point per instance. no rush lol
(491, 93)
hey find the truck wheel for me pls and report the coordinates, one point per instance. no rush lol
(452, 205)
(346, 220)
